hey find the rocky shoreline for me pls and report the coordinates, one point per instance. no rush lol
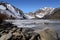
(9, 31)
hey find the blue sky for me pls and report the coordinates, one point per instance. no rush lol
(32, 5)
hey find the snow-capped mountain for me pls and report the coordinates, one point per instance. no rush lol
(41, 13)
(11, 11)
(8, 11)
(54, 15)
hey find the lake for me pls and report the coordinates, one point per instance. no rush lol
(37, 24)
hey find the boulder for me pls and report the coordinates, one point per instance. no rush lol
(48, 34)
(6, 36)
(35, 36)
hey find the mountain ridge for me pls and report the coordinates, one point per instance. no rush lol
(40, 13)
(11, 11)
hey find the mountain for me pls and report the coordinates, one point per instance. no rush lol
(40, 13)
(8, 11)
(30, 15)
(43, 11)
(54, 15)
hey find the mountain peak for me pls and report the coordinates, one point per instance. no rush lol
(46, 8)
(11, 10)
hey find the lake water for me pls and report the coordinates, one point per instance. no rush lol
(37, 24)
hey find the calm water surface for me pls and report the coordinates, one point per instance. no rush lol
(37, 24)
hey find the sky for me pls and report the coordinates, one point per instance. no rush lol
(33, 5)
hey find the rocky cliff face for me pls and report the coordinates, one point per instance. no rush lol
(11, 11)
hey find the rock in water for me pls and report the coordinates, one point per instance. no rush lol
(48, 34)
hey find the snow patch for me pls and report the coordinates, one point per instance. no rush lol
(29, 17)
(2, 7)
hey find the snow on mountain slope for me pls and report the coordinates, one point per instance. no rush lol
(40, 13)
(2, 7)
(44, 11)
(29, 16)
(10, 10)
(13, 12)
(54, 15)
